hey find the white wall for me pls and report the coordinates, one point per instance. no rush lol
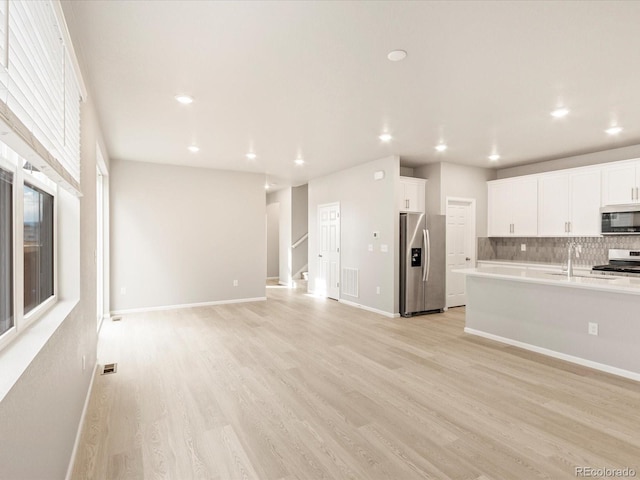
(467, 182)
(613, 155)
(273, 240)
(366, 205)
(431, 172)
(181, 235)
(40, 415)
(452, 180)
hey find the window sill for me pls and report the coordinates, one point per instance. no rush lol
(16, 357)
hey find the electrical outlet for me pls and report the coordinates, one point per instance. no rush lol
(123, 290)
(370, 248)
(384, 248)
(593, 328)
(523, 247)
(235, 283)
(378, 290)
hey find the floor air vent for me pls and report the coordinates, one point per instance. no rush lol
(117, 318)
(109, 368)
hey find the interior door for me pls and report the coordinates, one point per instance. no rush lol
(460, 249)
(327, 281)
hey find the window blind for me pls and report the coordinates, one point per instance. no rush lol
(3, 32)
(39, 88)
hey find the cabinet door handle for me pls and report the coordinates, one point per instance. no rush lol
(565, 227)
(406, 203)
(569, 227)
(633, 193)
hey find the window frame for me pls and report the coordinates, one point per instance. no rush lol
(14, 164)
(43, 307)
(12, 332)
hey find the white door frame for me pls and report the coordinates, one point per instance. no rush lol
(325, 293)
(473, 255)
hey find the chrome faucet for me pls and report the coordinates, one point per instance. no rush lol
(572, 249)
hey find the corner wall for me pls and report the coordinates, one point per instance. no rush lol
(182, 235)
(366, 205)
(299, 227)
(40, 416)
(283, 199)
(273, 239)
(462, 181)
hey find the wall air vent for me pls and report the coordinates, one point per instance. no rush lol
(350, 281)
(109, 368)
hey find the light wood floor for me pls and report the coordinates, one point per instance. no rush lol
(304, 388)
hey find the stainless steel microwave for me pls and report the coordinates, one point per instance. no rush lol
(620, 220)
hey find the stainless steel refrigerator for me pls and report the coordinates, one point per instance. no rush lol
(422, 263)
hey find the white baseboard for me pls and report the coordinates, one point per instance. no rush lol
(76, 444)
(186, 305)
(369, 309)
(561, 356)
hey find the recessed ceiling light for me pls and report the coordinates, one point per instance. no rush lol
(613, 130)
(397, 55)
(494, 157)
(184, 99)
(560, 112)
(193, 149)
(441, 147)
(385, 137)
(299, 161)
(266, 186)
(251, 156)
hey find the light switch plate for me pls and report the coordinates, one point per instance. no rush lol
(370, 248)
(523, 247)
(384, 248)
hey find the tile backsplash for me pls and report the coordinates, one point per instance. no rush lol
(595, 250)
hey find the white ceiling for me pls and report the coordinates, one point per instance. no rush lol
(312, 78)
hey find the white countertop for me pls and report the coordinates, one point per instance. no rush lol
(519, 263)
(605, 283)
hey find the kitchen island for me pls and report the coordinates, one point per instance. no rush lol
(550, 313)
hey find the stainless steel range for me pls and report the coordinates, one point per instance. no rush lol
(621, 262)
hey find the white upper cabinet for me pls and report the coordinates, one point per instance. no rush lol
(621, 183)
(584, 203)
(569, 203)
(553, 205)
(411, 194)
(513, 207)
